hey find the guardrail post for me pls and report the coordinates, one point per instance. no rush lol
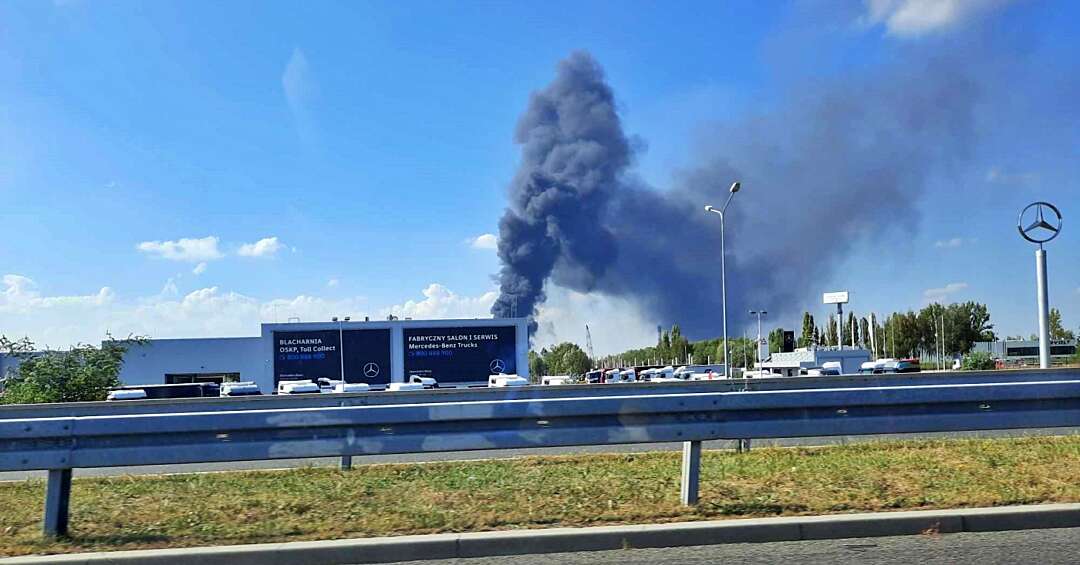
(691, 472)
(742, 445)
(57, 498)
(346, 462)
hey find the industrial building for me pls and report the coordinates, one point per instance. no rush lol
(789, 364)
(454, 352)
(1026, 352)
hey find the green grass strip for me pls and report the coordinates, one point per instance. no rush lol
(129, 512)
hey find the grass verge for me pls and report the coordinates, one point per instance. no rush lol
(130, 512)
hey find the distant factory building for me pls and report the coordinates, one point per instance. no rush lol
(1026, 352)
(792, 363)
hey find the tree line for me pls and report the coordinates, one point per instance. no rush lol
(953, 328)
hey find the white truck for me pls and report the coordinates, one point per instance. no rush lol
(504, 380)
(298, 387)
(242, 388)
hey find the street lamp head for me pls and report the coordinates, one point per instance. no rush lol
(347, 318)
(709, 208)
(763, 313)
(735, 186)
(334, 319)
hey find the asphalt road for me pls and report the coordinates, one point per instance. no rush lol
(1046, 547)
(510, 453)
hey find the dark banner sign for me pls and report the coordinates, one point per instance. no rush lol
(315, 354)
(460, 354)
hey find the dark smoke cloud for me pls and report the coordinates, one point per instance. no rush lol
(573, 153)
(836, 165)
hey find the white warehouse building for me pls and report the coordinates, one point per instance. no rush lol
(454, 352)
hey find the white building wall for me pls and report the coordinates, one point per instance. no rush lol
(148, 363)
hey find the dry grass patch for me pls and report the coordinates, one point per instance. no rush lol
(321, 503)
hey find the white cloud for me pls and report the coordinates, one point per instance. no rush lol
(265, 247)
(440, 302)
(200, 268)
(615, 324)
(997, 175)
(301, 90)
(949, 243)
(297, 80)
(59, 321)
(332, 283)
(483, 241)
(212, 311)
(21, 295)
(184, 249)
(939, 294)
(913, 18)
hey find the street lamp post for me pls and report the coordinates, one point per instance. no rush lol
(735, 186)
(346, 460)
(760, 314)
(341, 343)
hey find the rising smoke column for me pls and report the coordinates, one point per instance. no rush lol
(573, 152)
(839, 164)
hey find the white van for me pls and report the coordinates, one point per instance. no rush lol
(399, 387)
(351, 387)
(126, 394)
(426, 382)
(556, 380)
(243, 388)
(629, 376)
(297, 387)
(502, 380)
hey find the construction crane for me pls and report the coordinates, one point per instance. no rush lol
(588, 342)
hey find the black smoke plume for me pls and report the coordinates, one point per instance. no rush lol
(838, 164)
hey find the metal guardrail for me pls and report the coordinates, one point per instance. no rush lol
(378, 398)
(63, 443)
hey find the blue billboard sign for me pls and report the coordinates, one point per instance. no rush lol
(462, 354)
(314, 354)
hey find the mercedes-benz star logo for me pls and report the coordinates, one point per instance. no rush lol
(497, 366)
(1038, 229)
(371, 370)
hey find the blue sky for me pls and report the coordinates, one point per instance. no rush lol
(188, 169)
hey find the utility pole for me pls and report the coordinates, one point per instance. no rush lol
(759, 314)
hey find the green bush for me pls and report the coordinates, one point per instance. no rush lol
(978, 361)
(82, 373)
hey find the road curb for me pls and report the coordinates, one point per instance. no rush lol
(559, 540)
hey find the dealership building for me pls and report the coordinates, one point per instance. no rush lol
(454, 352)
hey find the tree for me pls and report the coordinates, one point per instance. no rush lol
(1057, 330)
(537, 367)
(830, 332)
(566, 359)
(776, 340)
(82, 373)
(864, 333)
(851, 326)
(806, 338)
(680, 346)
